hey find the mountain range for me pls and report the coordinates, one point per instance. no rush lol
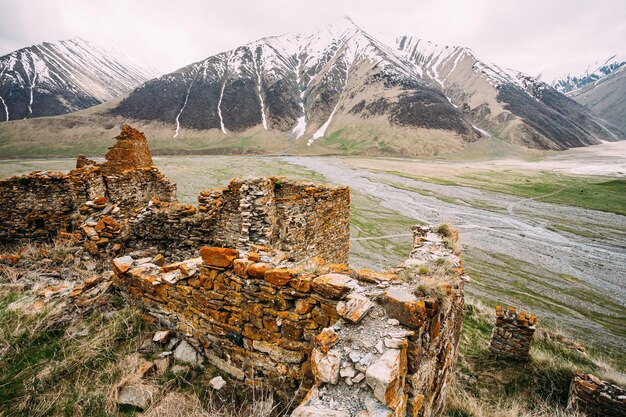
(601, 88)
(339, 89)
(62, 77)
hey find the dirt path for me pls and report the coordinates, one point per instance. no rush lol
(512, 206)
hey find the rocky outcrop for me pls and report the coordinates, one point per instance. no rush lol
(322, 333)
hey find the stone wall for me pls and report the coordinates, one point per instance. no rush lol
(42, 204)
(513, 334)
(300, 218)
(595, 397)
(348, 342)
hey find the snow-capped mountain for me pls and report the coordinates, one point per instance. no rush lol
(301, 84)
(596, 71)
(602, 89)
(62, 77)
(340, 78)
(506, 103)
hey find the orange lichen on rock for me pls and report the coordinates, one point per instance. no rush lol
(131, 151)
(218, 257)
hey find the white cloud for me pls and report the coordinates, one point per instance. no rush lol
(533, 36)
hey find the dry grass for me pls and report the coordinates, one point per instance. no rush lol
(59, 262)
(462, 403)
(58, 362)
(492, 387)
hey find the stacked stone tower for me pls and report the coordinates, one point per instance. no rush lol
(512, 334)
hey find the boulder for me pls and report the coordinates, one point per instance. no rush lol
(326, 366)
(218, 257)
(217, 383)
(354, 308)
(136, 394)
(122, 264)
(333, 286)
(279, 276)
(386, 377)
(404, 307)
(186, 353)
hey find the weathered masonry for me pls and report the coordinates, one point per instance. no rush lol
(344, 342)
(42, 204)
(513, 334)
(300, 218)
(131, 204)
(596, 397)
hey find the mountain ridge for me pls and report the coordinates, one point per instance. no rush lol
(507, 102)
(602, 90)
(569, 84)
(54, 78)
(297, 84)
(339, 90)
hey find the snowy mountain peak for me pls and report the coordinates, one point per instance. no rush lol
(338, 76)
(59, 77)
(596, 71)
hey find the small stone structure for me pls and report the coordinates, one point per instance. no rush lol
(300, 218)
(348, 342)
(595, 397)
(513, 334)
(130, 152)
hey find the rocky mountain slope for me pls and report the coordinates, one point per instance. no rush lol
(62, 77)
(506, 103)
(602, 90)
(301, 85)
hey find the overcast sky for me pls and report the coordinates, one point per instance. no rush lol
(548, 37)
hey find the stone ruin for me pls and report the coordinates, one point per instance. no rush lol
(342, 342)
(270, 300)
(41, 205)
(126, 203)
(512, 334)
(596, 397)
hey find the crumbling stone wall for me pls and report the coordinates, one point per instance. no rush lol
(42, 204)
(513, 334)
(348, 342)
(300, 218)
(595, 397)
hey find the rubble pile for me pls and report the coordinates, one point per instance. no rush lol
(40, 205)
(596, 397)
